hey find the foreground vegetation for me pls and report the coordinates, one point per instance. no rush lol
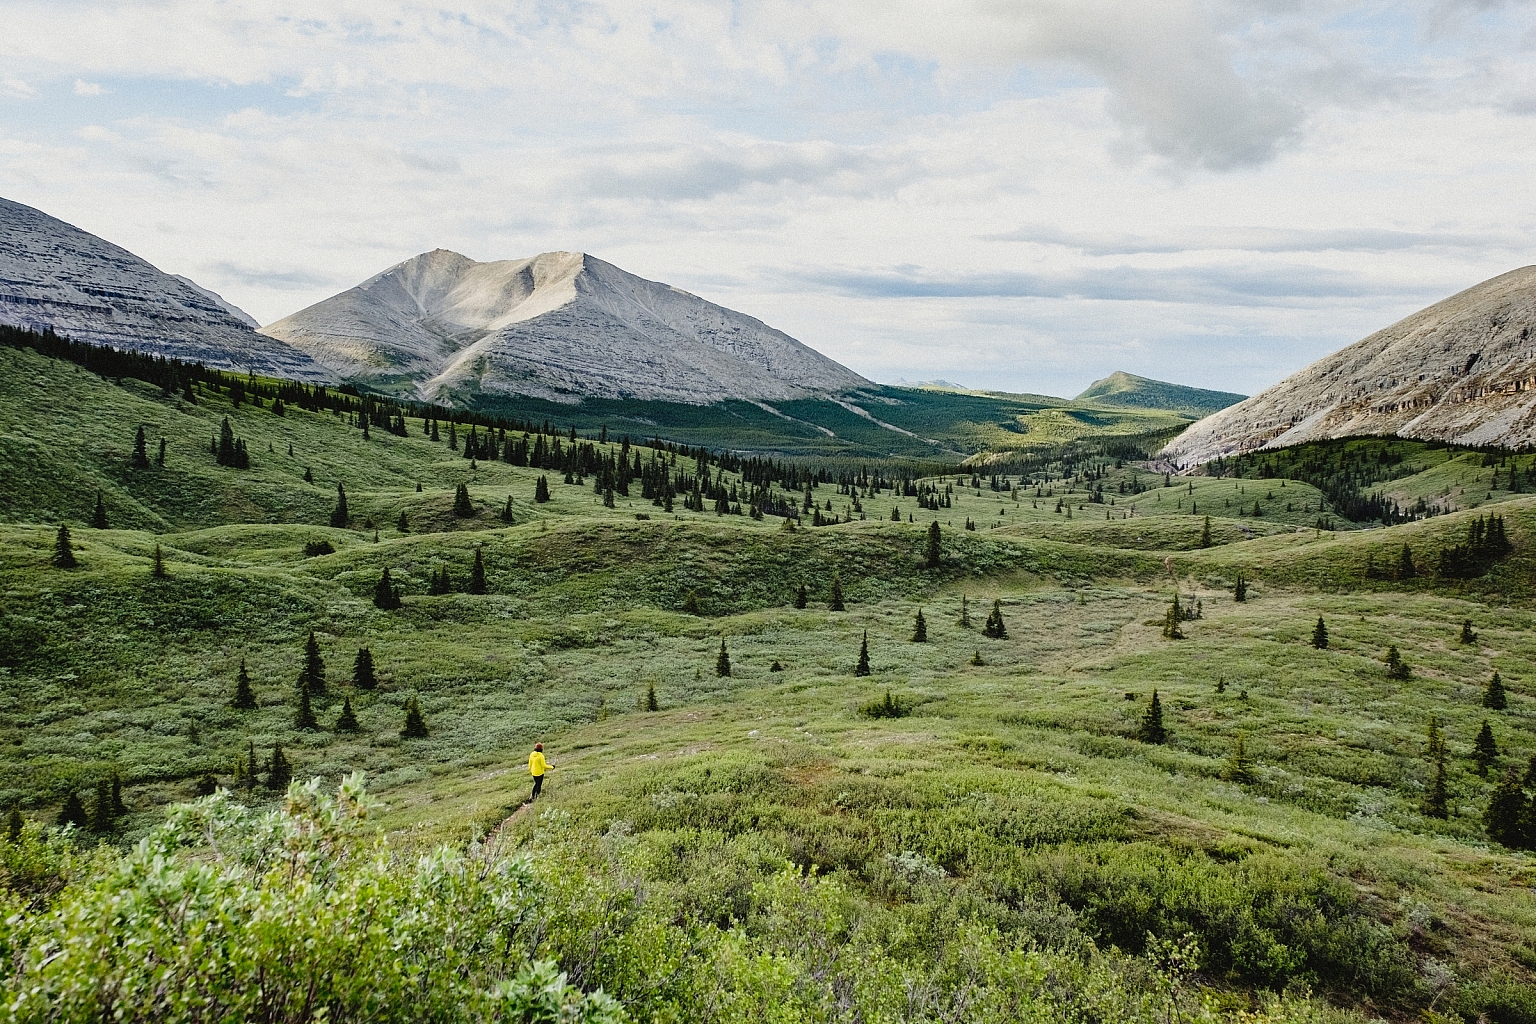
(741, 823)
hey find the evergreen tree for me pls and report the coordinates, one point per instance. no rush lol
(965, 612)
(386, 595)
(362, 670)
(934, 538)
(462, 507)
(1485, 751)
(862, 668)
(64, 549)
(1239, 767)
(1171, 620)
(541, 489)
(140, 458)
(723, 662)
(312, 675)
(1505, 818)
(1240, 589)
(118, 807)
(506, 510)
(99, 517)
(279, 770)
(227, 453)
(1397, 668)
(1320, 635)
(1406, 570)
(691, 603)
(160, 459)
(477, 573)
(415, 725)
(347, 722)
(651, 703)
(920, 629)
(1494, 697)
(895, 512)
(102, 818)
(835, 602)
(441, 583)
(245, 697)
(402, 525)
(14, 824)
(1151, 729)
(252, 770)
(1205, 533)
(801, 597)
(1436, 798)
(1467, 635)
(157, 566)
(976, 658)
(340, 518)
(73, 812)
(994, 628)
(304, 717)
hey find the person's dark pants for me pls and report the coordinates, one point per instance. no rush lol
(538, 784)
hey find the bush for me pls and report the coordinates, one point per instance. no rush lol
(315, 548)
(886, 707)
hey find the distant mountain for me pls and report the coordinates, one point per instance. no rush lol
(1462, 370)
(53, 274)
(561, 326)
(1128, 391)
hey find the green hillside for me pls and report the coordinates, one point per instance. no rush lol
(981, 828)
(1127, 390)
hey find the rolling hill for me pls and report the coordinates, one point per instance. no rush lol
(1130, 391)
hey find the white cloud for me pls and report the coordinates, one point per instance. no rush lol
(15, 88)
(84, 88)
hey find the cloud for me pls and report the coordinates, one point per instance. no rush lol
(282, 280)
(1253, 240)
(15, 88)
(84, 88)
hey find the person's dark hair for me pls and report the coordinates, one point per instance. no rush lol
(538, 746)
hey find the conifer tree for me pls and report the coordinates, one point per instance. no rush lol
(99, 516)
(1171, 620)
(723, 662)
(312, 675)
(920, 629)
(117, 795)
(347, 721)
(140, 458)
(157, 565)
(1494, 697)
(506, 510)
(651, 703)
(976, 658)
(1467, 635)
(1436, 798)
(339, 517)
(1505, 818)
(965, 612)
(245, 697)
(73, 812)
(801, 597)
(14, 824)
(862, 668)
(160, 459)
(1240, 589)
(1485, 751)
(386, 595)
(933, 552)
(835, 601)
(415, 725)
(362, 670)
(541, 489)
(402, 525)
(691, 603)
(64, 549)
(1406, 570)
(102, 818)
(309, 476)
(304, 717)
(994, 627)
(1397, 668)
(1320, 635)
(279, 770)
(1151, 729)
(1239, 767)
(1205, 533)
(477, 574)
(462, 507)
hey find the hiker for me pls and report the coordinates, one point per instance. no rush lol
(537, 766)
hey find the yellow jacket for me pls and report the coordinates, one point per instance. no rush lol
(536, 763)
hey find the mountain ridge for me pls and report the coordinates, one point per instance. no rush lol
(1127, 390)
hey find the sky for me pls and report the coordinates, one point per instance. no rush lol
(1020, 195)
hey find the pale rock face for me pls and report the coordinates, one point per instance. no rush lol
(53, 274)
(560, 326)
(1463, 370)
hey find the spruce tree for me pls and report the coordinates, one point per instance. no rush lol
(415, 726)
(462, 507)
(1205, 533)
(339, 517)
(304, 717)
(835, 601)
(691, 603)
(723, 661)
(933, 552)
(651, 703)
(1467, 635)
(1494, 697)
(279, 770)
(140, 458)
(245, 697)
(1240, 589)
(965, 612)
(1320, 635)
(920, 629)
(362, 670)
(64, 549)
(347, 722)
(994, 628)
(1436, 798)
(976, 658)
(73, 812)
(862, 668)
(1171, 620)
(801, 597)
(157, 566)
(1397, 668)
(506, 510)
(1151, 729)
(477, 574)
(102, 818)
(99, 516)
(541, 489)
(1406, 570)
(252, 770)
(1239, 766)
(1485, 751)
(386, 595)
(402, 525)
(160, 459)
(312, 675)
(1505, 818)
(14, 824)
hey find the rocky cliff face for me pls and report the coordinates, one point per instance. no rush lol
(1463, 370)
(53, 274)
(559, 326)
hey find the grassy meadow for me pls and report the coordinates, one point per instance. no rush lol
(761, 847)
